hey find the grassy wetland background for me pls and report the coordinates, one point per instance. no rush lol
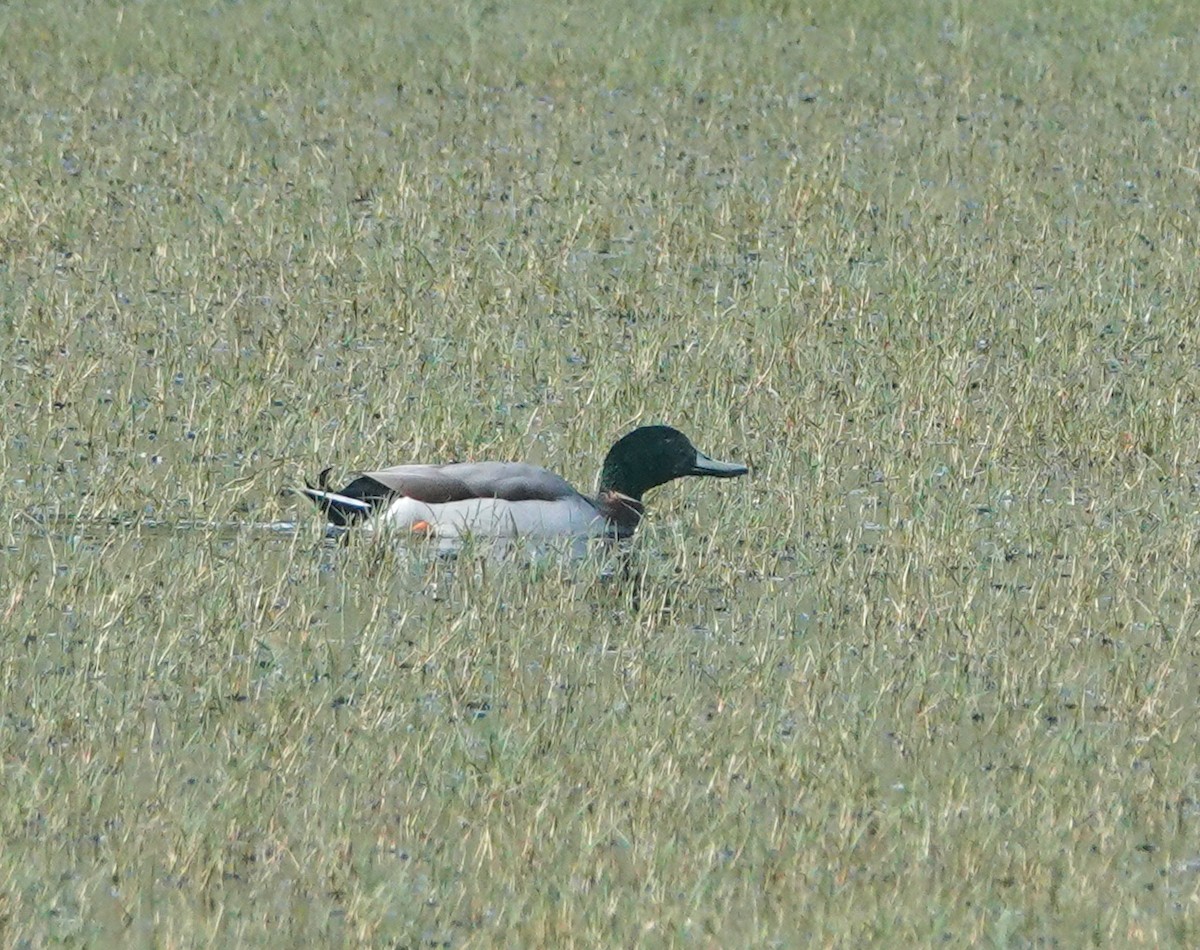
(929, 674)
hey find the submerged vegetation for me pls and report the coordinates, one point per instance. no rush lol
(929, 673)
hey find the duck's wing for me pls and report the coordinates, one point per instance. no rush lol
(437, 485)
(462, 481)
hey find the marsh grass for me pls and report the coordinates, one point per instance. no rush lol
(929, 674)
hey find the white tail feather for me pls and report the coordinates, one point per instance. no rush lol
(331, 497)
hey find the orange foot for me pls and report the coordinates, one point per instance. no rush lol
(422, 527)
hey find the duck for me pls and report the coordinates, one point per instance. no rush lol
(508, 500)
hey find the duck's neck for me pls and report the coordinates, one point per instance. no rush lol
(623, 511)
(626, 476)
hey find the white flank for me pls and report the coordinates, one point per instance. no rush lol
(496, 518)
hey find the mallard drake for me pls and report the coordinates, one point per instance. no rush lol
(515, 499)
